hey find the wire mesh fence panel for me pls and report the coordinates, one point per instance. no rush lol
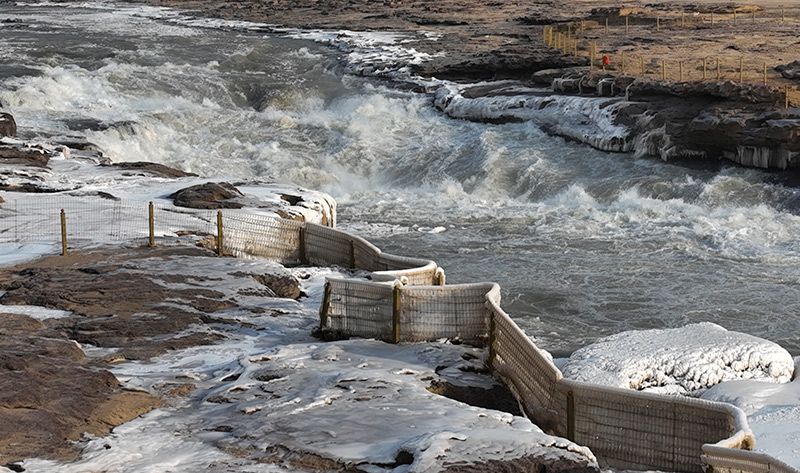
(632, 429)
(326, 246)
(251, 235)
(532, 375)
(419, 272)
(95, 221)
(361, 308)
(365, 254)
(172, 221)
(428, 313)
(726, 460)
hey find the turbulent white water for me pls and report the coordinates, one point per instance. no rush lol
(584, 243)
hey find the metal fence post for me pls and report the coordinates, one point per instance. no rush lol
(571, 416)
(152, 226)
(492, 340)
(220, 237)
(326, 304)
(396, 312)
(63, 233)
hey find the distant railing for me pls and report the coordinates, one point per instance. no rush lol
(593, 40)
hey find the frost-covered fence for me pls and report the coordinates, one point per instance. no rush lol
(395, 312)
(234, 232)
(624, 428)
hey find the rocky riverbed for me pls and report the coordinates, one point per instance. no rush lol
(661, 78)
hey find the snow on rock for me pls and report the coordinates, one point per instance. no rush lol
(686, 360)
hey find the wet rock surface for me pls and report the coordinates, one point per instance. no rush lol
(51, 393)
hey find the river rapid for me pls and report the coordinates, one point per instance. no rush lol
(584, 243)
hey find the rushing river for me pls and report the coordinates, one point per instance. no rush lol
(583, 243)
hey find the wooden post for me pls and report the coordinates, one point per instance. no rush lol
(641, 60)
(705, 61)
(301, 250)
(571, 416)
(626, 24)
(754, 15)
(592, 53)
(719, 76)
(220, 237)
(734, 16)
(683, 19)
(152, 226)
(606, 25)
(741, 70)
(63, 233)
(663, 70)
(352, 254)
(658, 22)
(622, 63)
(680, 68)
(765, 73)
(326, 304)
(396, 313)
(492, 340)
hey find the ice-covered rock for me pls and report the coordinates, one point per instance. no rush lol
(686, 360)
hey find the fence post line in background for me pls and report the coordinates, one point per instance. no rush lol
(658, 22)
(683, 19)
(571, 416)
(606, 25)
(663, 69)
(492, 340)
(719, 75)
(626, 24)
(326, 304)
(680, 70)
(63, 233)
(641, 60)
(396, 312)
(220, 237)
(765, 73)
(151, 224)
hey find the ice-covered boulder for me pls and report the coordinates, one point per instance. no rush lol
(686, 360)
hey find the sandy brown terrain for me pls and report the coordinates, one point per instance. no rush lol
(504, 38)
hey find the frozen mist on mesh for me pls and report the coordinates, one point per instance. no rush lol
(583, 243)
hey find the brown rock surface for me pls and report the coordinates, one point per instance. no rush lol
(8, 126)
(211, 195)
(50, 392)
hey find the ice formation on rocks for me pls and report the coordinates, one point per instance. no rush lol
(686, 360)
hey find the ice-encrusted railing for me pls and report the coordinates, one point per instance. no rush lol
(406, 300)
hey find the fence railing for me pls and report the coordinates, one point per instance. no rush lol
(601, 41)
(74, 221)
(624, 428)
